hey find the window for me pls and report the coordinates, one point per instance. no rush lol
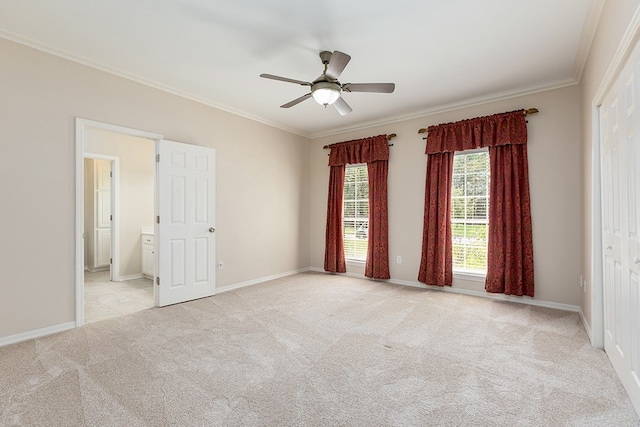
(355, 214)
(470, 211)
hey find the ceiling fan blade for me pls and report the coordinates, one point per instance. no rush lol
(342, 107)
(284, 79)
(296, 101)
(336, 65)
(369, 87)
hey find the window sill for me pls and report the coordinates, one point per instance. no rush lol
(472, 277)
(356, 262)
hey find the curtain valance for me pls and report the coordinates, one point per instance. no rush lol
(499, 129)
(359, 151)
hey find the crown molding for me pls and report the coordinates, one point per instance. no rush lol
(488, 99)
(80, 59)
(586, 39)
(625, 48)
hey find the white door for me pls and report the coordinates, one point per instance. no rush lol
(620, 158)
(186, 207)
(631, 264)
(103, 218)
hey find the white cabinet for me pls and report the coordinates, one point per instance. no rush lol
(148, 255)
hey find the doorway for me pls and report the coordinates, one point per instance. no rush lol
(117, 205)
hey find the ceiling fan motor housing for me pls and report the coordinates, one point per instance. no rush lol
(325, 56)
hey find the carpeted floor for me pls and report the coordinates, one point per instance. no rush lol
(318, 350)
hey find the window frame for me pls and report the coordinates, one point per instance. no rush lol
(350, 260)
(473, 275)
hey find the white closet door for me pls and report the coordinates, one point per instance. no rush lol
(186, 201)
(631, 118)
(620, 158)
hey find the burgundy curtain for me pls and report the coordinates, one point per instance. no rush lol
(377, 265)
(436, 264)
(510, 251)
(334, 245)
(375, 152)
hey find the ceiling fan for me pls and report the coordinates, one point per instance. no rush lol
(326, 89)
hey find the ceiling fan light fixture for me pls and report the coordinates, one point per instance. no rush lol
(325, 93)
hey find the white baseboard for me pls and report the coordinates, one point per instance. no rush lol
(585, 324)
(12, 339)
(259, 280)
(96, 270)
(567, 307)
(498, 297)
(129, 277)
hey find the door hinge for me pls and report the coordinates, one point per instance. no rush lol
(110, 260)
(158, 280)
(158, 158)
(158, 219)
(110, 217)
(111, 174)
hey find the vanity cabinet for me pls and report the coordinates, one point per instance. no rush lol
(148, 255)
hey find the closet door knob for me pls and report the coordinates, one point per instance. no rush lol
(636, 260)
(211, 229)
(609, 247)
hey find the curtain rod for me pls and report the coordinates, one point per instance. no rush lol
(389, 137)
(526, 112)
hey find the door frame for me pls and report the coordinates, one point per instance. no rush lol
(81, 126)
(624, 51)
(115, 211)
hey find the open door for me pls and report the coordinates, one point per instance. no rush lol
(185, 224)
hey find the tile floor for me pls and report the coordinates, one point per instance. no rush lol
(104, 299)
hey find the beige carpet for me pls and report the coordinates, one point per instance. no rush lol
(318, 350)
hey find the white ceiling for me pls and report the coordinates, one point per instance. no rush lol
(438, 52)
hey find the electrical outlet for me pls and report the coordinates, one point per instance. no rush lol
(220, 265)
(580, 283)
(584, 286)
(399, 259)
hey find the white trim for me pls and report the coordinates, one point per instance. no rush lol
(585, 324)
(132, 277)
(80, 59)
(488, 99)
(81, 125)
(597, 283)
(37, 333)
(66, 54)
(498, 297)
(469, 276)
(586, 39)
(259, 280)
(625, 48)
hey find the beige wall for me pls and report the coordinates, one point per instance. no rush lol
(136, 191)
(615, 19)
(554, 173)
(261, 198)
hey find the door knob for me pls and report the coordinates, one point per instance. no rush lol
(211, 229)
(609, 247)
(636, 260)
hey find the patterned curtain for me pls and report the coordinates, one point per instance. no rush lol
(377, 265)
(375, 152)
(334, 245)
(510, 251)
(436, 264)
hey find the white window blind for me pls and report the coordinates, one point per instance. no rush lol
(470, 211)
(355, 214)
